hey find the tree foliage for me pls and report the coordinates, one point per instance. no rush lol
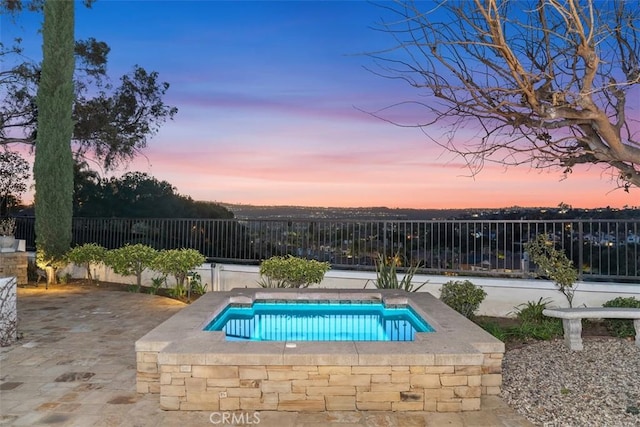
(554, 264)
(463, 296)
(14, 173)
(178, 263)
(87, 254)
(113, 122)
(53, 167)
(136, 195)
(291, 272)
(131, 260)
(549, 83)
(87, 189)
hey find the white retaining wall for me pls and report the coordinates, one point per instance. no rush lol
(503, 294)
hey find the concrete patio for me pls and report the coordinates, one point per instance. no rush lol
(75, 365)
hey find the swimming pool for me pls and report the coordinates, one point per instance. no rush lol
(448, 369)
(318, 321)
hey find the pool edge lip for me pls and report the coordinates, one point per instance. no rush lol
(180, 333)
(240, 309)
(459, 360)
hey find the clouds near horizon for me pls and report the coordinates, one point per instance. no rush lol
(273, 100)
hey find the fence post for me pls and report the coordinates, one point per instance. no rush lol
(580, 249)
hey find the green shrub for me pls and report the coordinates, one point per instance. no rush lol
(387, 275)
(534, 324)
(131, 260)
(291, 272)
(156, 284)
(523, 331)
(544, 330)
(553, 264)
(531, 312)
(463, 296)
(64, 279)
(195, 282)
(178, 291)
(32, 271)
(87, 254)
(621, 327)
(50, 266)
(178, 263)
(497, 330)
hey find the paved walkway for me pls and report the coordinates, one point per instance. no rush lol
(75, 366)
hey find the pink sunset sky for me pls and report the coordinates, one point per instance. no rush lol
(270, 98)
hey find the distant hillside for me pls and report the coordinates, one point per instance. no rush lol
(375, 213)
(277, 212)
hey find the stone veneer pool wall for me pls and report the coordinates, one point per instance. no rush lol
(446, 371)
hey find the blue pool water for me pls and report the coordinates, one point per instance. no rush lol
(318, 321)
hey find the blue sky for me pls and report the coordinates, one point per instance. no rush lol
(269, 97)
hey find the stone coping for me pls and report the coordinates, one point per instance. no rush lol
(455, 341)
(593, 313)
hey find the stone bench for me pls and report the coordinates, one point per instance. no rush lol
(572, 320)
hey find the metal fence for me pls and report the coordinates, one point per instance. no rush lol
(600, 249)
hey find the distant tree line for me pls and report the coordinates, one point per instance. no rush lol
(552, 213)
(135, 195)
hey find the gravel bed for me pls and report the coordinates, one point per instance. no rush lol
(553, 386)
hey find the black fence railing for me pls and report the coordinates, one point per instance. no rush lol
(600, 249)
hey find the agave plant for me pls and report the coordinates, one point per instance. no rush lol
(387, 274)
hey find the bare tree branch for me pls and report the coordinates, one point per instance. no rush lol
(545, 82)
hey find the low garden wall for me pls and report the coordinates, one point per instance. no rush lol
(436, 387)
(503, 294)
(14, 264)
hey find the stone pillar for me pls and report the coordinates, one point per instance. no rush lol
(573, 333)
(14, 264)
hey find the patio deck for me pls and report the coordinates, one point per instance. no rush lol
(76, 366)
